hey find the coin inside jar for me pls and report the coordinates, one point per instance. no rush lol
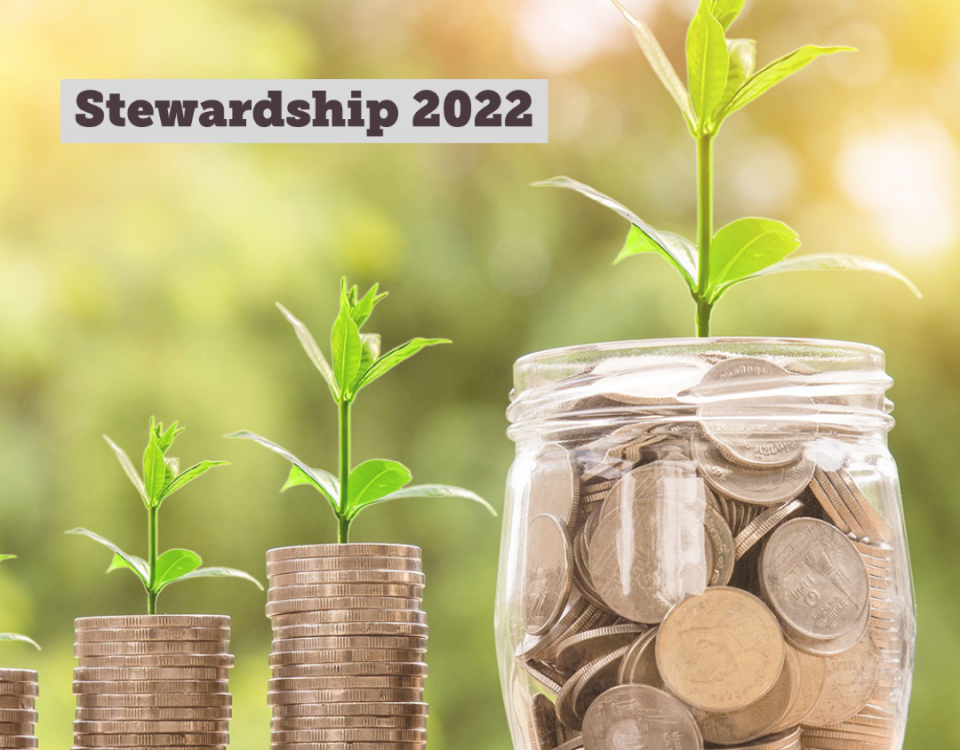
(555, 487)
(768, 486)
(814, 579)
(721, 650)
(547, 573)
(639, 716)
(851, 679)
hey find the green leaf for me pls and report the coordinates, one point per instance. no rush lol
(154, 469)
(708, 64)
(134, 563)
(7, 557)
(678, 260)
(329, 487)
(682, 255)
(726, 11)
(373, 479)
(661, 65)
(221, 573)
(138, 565)
(429, 490)
(370, 350)
(746, 247)
(361, 310)
(345, 340)
(19, 638)
(184, 478)
(743, 60)
(166, 437)
(837, 262)
(128, 468)
(173, 565)
(394, 357)
(768, 77)
(324, 481)
(309, 345)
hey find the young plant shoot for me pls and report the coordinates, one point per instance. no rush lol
(161, 478)
(722, 79)
(14, 636)
(357, 362)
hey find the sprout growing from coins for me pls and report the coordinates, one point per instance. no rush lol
(15, 636)
(357, 362)
(161, 479)
(722, 79)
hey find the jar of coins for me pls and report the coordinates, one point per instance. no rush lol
(703, 545)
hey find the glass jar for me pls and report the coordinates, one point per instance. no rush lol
(703, 542)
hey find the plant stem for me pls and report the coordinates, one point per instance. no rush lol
(153, 532)
(343, 532)
(704, 229)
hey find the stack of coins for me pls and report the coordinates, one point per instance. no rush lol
(18, 715)
(707, 567)
(152, 682)
(349, 648)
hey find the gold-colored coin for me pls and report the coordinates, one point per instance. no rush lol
(342, 551)
(812, 673)
(721, 650)
(346, 695)
(358, 669)
(18, 675)
(17, 701)
(851, 680)
(353, 722)
(216, 739)
(152, 700)
(18, 716)
(326, 590)
(174, 713)
(348, 576)
(212, 661)
(325, 630)
(324, 617)
(137, 648)
(26, 689)
(152, 621)
(321, 564)
(350, 642)
(346, 655)
(123, 635)
(290, 606)
(278, 684)
(20, 742)
(17, 730)
(351, 708)
(168, 687)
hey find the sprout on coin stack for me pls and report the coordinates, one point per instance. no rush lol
(155, 680)
(350, 635)
(703, 543)
(18, 694)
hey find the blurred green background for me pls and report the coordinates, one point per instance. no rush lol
(139, 280)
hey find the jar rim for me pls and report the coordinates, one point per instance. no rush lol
(691, 343)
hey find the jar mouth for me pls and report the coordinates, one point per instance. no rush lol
(798, 380)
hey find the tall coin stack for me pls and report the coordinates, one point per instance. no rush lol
(18, 715)
(152, 682)
(349, 648)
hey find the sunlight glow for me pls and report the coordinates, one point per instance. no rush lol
(905, 175)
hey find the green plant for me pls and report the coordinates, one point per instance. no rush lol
(357, 362)
(14, 636)
(722, 80)
(161, 478)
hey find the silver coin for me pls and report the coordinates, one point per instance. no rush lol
(149, 727)
(326, 590)
(410, 629)
(208, 739)
(123, 635)
(771, 486)
(412, 643)
(327, 564)
(336, 656)
(345, 695)
(554, 485)
(351, 708)
(175, 713)
(814, 579)
(547, 573)
(153, 621)
(343, 550)
(639, 716)
(350, 722)
(213, 661)
(290, 606)
(323, 617)
(168, 687)
(367, 668)
(347, 576)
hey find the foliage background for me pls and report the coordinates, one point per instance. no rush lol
(139, 280)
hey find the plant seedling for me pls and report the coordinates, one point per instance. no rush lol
(161, 478)
(722, 79)
(14, 636)
(357, 362)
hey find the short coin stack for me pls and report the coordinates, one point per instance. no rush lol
(152, 682)
(711, 571)
(350, 641)
(18, 715)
